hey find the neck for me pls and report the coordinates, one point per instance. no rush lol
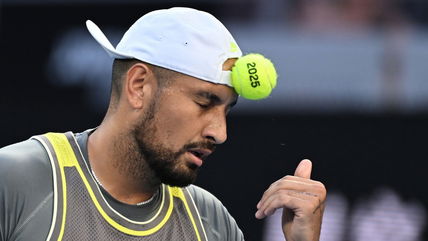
(110, 158)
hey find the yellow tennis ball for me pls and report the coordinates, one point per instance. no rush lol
(253, 76)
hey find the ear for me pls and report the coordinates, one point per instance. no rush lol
(138, 85)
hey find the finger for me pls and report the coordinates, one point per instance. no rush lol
(293, 178)
(269, 206)
(304, 169)
(297, 184)
(283, 199)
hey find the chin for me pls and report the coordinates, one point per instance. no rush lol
(180, 179)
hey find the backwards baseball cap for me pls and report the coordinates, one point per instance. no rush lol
(185, 40)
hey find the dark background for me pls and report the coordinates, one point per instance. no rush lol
(353, 153)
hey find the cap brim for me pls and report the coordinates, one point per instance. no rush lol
(100, 37)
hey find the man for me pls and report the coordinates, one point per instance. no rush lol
(129, 179)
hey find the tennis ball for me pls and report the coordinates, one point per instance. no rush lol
(253, 76)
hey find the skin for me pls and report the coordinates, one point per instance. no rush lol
(187, 111)
(186, 100)
(302, 200)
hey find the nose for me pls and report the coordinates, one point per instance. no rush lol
(216, 129)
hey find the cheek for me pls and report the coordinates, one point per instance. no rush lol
(177, 125)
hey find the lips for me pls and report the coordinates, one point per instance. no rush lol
(199, 155)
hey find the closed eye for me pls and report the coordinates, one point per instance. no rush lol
(206, 100)
(203, 106)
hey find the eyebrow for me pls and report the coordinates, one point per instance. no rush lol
(213, 98)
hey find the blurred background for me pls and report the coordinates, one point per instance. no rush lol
(352, 97)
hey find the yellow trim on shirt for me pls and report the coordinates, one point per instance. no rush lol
(178, 192)
(66, 158)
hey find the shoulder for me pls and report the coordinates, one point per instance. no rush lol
(22, 159)
(217, 220)
(202, 196)
(26, 190)
(25, 167)
(206, 202)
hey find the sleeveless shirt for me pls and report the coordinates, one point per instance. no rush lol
(82, 213)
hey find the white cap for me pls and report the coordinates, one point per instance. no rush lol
(185, 40)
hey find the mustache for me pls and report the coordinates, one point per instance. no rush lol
(203, 145)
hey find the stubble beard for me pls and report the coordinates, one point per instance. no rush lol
(150, 162)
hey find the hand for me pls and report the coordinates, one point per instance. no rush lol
(302, 200)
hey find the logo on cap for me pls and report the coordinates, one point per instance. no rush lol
(233, 47)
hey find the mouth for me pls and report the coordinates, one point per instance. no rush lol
(200, 152)
(199, 155)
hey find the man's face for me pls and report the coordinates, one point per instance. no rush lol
(181, 127)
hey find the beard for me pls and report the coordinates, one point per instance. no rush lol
(150, 161)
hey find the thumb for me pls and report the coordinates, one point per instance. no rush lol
(304, 169)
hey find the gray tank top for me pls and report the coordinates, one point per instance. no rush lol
(81, 212)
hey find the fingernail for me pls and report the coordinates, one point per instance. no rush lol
(258, 205)
(258, 214)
